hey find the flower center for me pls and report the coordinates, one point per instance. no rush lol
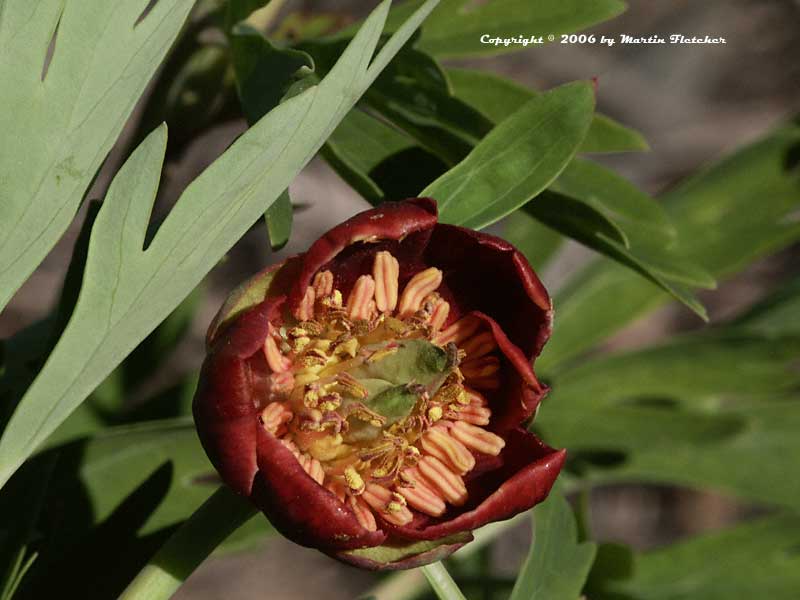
(378, 404)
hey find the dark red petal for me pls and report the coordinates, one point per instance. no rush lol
(527, 470)
(521, 391)
(299, 507)
(487, 274)
(389, 221)
(225, 403)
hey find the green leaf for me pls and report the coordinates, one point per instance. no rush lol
(127, 291)
(678, 414)
(95, 86)
(278, 219)
(456, 26)
(557, 565)
(358, 147)
(263, 71)
(390, 554)
(607, 135)
(593, 229)
(497, 98)
(754, 560)
(125, 490)
(517, 160)
(634, 211)
(727, 216)
(775, 315)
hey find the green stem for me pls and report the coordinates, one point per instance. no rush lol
(441, 582)
(219, 516)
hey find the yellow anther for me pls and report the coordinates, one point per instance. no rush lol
(333, 300)
(435, 413)
(354, 480)
(450, 451)
(358, 303)
(479, 345)
(323, 284)
(275, 360)
(386, 271)
(459, 331)
(477, 438)
(348, 348)
(422, 284)
(379, 499)
(350, 385)
(305, 310)
(301, 343)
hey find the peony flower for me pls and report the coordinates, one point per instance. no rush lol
(370, 395)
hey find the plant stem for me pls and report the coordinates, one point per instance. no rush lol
(219, 516)
(441, 582)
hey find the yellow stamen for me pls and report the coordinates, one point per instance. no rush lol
(354, 480)
(358, 303)
(422, 284)
(386, 271)
(435, 413)
(477, 438)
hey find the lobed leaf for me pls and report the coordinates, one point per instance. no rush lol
(128, 291)
(104, 54)
(704, 410)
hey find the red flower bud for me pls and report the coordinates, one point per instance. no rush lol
(369, 395)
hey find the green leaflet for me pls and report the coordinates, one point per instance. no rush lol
(518, 159)
(498, 97)
(557, 565)
(56, 153)
(127, 291)
(684, 413)
(754, 560)
(719, 229)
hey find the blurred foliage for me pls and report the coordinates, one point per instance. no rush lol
(113, 463)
